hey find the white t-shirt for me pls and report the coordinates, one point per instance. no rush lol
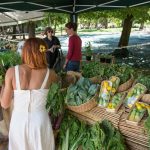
(20, 46)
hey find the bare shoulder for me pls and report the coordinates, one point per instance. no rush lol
(10, 72)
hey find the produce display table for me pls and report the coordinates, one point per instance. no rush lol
(135, 136)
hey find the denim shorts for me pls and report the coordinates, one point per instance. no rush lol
(73, 66)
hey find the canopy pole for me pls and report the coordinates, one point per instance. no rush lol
(73, 16)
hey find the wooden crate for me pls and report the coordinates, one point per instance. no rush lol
(138, 97)
(115, 110)
(136, 137)
(135, 122)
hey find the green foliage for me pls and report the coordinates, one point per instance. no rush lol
(88, 49)
(81, 92)
(7, 60)
(55, 100)
(71, 133)
(115, 15)
(55, 19)
(99, 136)
(145, 80)
(113, 139)
(105, 71)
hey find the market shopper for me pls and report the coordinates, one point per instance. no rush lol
(30, 127)
(53, 46)
(74, 55)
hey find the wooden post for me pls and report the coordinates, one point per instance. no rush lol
(31, 29)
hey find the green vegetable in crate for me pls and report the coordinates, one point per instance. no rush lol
(115, 83)
(138, 112)
(134, 94)
(81, 92)
(116, 99)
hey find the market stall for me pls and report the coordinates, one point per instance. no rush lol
(108, 106)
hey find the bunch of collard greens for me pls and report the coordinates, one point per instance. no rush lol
(100, 136)
(105, 71)
(71, 133)
(55, 100)
(81, 92)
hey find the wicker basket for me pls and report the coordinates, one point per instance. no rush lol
(146, 98)
(96, 80)
(84, 107)
(125, 86)
(76, 74)
(67, 80)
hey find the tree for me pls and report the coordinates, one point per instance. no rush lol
(127, 25)
(55, 19)
(129, 15)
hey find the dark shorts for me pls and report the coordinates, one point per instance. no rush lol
(73, 66)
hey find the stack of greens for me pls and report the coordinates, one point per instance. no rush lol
(56, 104)
(105, 71)
(100, 136)
(71, 133)
(80, 92)
(55, 100)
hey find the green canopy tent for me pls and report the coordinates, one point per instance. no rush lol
(73, 7)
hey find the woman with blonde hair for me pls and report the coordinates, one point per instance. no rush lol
(30, 127)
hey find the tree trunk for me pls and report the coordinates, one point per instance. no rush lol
(106, 23)
(55, 25)
(31, 29)
(88, 25)
(141, 26)
(23, 31)
(124, 39)
(96, 25)
(14, 32)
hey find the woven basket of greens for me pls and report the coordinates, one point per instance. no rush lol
(82, 96)
(125, 86)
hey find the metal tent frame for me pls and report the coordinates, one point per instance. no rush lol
(72, 7)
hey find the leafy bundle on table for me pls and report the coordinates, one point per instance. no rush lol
(80, 92)
(105, 71)
(100, 136)
(55, 100)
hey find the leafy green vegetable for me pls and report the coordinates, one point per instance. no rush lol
(105, 71)
(100, 136)
(55, 100)
(81, 92)
(8, 59)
